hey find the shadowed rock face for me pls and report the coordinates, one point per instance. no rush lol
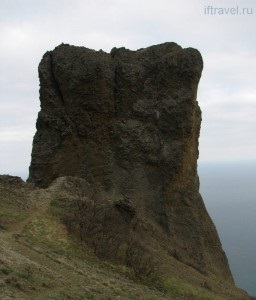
(128, 123)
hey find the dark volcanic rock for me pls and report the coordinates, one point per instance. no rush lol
(128, 122)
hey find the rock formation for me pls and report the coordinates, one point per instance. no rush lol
(128, 123)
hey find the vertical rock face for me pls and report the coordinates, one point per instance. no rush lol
(128, 122)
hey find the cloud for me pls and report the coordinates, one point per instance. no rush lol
(229, 125)
(15, 134)
(227, 97)
(226, 94)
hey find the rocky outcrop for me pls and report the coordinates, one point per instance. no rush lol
(128, 124)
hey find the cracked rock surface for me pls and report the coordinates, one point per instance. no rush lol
(128, 123)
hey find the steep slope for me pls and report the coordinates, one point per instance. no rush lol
(39, 259)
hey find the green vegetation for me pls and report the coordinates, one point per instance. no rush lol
(181, 289)
(41, 259)
(53, 265)
(10, 214)
(45, 231)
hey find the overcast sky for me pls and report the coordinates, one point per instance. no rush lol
(226, 39)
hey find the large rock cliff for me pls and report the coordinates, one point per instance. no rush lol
(128, 123)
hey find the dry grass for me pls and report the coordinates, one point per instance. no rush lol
(39, 259)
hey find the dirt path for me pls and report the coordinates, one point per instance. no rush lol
(35, 210)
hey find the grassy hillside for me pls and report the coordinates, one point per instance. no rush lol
(40, 259)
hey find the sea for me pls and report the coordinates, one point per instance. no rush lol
(229, 193)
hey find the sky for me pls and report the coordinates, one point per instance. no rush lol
(223, 31)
